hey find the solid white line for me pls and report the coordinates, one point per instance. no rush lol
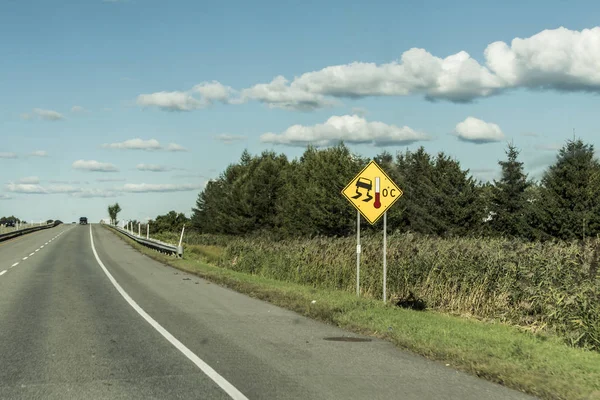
(2, 273)
(207, 369)
(14, 265)
(25, 258)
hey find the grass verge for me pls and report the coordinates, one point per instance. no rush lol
(539, 365)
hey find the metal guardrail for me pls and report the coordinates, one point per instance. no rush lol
(20, 232)
(153, 244)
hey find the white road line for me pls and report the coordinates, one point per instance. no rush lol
(25, 258)
(2, 273)
(42, 246)
(46, 243)
(31, 254)
(231, 390)
(36, 250)
(14, 265)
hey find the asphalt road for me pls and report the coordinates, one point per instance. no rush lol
(104, 322)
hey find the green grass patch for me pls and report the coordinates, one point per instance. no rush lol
(210, 254)
(541, 365)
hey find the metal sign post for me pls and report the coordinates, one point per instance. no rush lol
(384, 255)
(372, 192)
(358, 249)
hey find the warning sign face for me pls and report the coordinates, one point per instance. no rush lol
(372, 192)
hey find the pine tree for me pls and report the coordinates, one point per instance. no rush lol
(261, 187)
(509, 198)
(570, 196)
(457, 206)
(311, 202)
(440, 198)
(417, 202)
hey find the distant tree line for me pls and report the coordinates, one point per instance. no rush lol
(268, 193)
(4, 220)
(170, 222)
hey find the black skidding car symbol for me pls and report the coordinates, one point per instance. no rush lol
(363, 183)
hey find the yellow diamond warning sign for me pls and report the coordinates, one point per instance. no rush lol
(372, 192)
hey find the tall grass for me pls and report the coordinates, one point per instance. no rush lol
(543, 287)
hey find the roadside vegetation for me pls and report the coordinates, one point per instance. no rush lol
(515, 251)
(536, 363)
(488, 264)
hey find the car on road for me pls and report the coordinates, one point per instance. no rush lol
(83, 221)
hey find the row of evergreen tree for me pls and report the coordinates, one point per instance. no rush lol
(268, 193)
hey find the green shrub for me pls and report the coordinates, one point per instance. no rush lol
(549, 287)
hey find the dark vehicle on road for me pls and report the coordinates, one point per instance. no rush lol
(83, 221)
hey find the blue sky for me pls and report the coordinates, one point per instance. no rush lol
(77, 75)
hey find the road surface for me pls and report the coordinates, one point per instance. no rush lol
(95, 319)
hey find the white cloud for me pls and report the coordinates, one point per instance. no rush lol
(347, 128)
(29, 188)
(170, 101)
(457, 77)
(8, 155)
(167, 187)
(548, 147)
(69, 182)
(110, 180)
(48, 115)
(278, 94)
(152, 167)
(478, 131)
(554, 59)
(559, 59)
(175, 147)
(77, 109)
(214, 91)
(141, 144)
(93, 165)
(62, 189)
(5, 197)
(207, 94)
(30, 179)
(25, 188)
(135, 144)
(39, 153)
(93, 193)
(227, 138)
